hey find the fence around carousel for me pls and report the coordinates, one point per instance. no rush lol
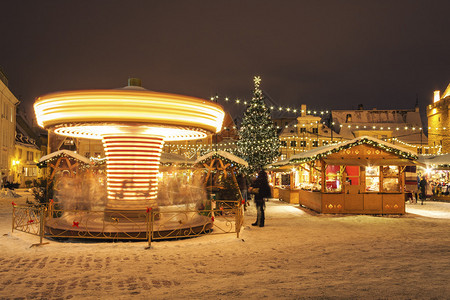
(46, 221)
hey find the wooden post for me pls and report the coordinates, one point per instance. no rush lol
(237, 220)
(324, 179)
(41, 224)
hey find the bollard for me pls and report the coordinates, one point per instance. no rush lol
(13, 218)
(150, 219)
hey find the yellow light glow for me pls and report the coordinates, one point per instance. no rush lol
(133, 126)
(125, 106)
(437, 96)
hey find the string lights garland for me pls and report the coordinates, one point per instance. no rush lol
(272, 107)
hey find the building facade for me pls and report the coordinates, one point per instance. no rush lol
(402, 127)
(8, 104)
(24, 163)
(439, 122)
(304, 133)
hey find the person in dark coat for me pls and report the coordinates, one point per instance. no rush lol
(423, 188)
(262, 184)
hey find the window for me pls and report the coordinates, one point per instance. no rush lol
(30, 171)
(333, 178)
(390, 179)
(325, 143)
(352, 175)
(302, 129)
(419, 150)
(315, 130)
(348, 118)
(302, 143)
(372, 179)
(293, 143)
(30, 156)
(283, 144)
(315, 143)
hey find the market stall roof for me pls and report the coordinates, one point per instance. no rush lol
(167, 158)
(66, 153)
(439, 161)
(222, 154)
(282, 164)
(404, 155)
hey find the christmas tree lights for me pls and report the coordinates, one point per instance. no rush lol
(258, 142)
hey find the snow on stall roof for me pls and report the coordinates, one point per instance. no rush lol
(278, 164)
(68, 153)
(224, 154)
(324, 149)
(442, 159)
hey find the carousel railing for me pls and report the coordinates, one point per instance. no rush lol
(153, 224)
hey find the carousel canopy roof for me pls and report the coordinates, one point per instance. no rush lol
(222, 154)
(65, 153)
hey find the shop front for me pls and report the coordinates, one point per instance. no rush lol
(436, 169)
(361, 176)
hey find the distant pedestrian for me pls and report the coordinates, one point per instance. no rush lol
(260, 187)
(423, 188)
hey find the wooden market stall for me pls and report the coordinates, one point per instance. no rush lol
(280, 180)
(361, 176)
(64, 161)
(220, 178)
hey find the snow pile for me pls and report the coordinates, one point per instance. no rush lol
(298, 254)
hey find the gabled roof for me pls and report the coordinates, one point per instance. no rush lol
(222, 154)
(65, 153)
(324, 151)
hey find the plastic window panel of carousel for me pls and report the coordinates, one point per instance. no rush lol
(352, 175)
(391, 179)
(333, 178)
(372, 179)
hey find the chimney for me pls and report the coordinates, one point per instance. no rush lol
(437, 96)
(134, 82)
(303, 110)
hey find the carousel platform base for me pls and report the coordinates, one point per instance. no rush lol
(168, 223)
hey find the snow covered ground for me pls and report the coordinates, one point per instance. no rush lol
(298, 254)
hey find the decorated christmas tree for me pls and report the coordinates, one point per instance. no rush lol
(258, 140)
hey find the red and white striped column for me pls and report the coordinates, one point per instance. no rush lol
(132, 170)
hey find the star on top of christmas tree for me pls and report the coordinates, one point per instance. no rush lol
(257, 81)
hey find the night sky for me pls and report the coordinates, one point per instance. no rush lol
(326, 54)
